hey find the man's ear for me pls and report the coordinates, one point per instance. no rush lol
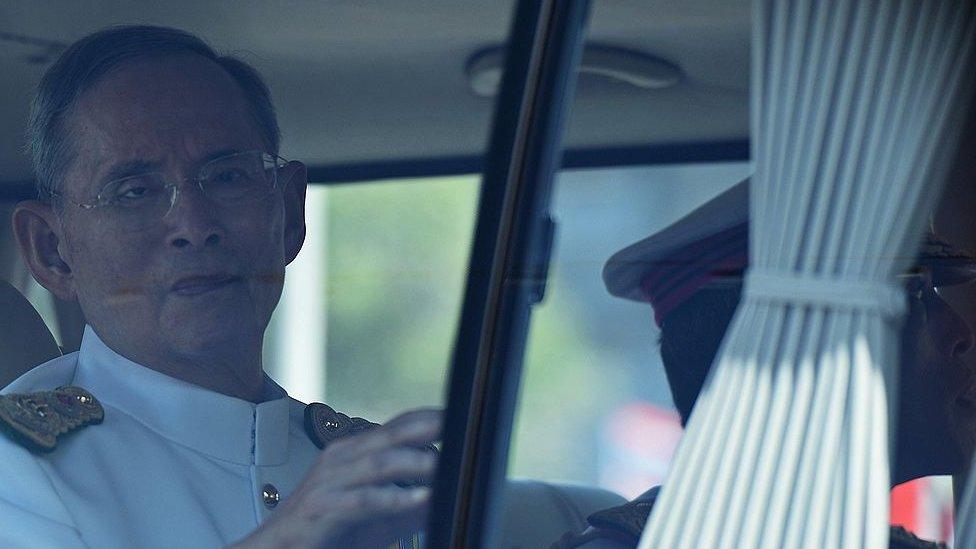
(38, 233)
(295, 182)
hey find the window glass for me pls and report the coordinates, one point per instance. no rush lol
(370, 308)
(595, 407)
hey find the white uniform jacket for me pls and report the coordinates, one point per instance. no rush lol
(171, 465)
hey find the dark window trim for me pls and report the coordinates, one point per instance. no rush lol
(507, 270)
(636, 155)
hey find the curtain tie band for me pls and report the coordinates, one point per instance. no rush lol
(836, 293)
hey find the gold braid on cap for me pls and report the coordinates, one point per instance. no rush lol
(948, 264)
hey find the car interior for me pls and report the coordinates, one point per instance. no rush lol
(390, 105)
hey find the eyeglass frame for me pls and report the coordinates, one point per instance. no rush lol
(175, 188)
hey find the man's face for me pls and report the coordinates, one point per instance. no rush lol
(937, 389)
(206, 276)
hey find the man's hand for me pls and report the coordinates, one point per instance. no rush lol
(349, 499)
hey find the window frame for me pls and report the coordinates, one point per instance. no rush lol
(508, 266)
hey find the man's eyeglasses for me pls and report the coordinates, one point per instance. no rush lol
(141, 200)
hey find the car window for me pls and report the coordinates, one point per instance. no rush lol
(369, 310)
(594, 406)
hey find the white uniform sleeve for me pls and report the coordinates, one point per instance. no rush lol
(31, 512)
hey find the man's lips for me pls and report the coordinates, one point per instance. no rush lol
(193, 285)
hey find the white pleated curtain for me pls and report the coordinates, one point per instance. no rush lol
(855, 108)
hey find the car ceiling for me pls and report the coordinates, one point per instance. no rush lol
(359, 82)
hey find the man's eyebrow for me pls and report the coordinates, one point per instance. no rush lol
(221, 153)
(136, 167)
(127, 168)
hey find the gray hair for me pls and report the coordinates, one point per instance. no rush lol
(86, 61)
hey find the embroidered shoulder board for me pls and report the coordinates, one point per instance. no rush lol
(622, 524)
(36, 420)
(627, 520)
(324, 425)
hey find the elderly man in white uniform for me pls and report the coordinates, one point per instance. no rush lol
(166, 212)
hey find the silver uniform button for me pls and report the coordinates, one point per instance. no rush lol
(270, 495)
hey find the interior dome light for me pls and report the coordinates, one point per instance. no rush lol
(621, 65)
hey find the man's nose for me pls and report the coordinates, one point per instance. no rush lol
(192, 219)
(952, 331)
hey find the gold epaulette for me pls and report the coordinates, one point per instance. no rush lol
(627, 519)
(36, 420)
(325, 425)
(622, 524)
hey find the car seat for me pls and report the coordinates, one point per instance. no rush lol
(25, 340)
(535, 514)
